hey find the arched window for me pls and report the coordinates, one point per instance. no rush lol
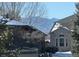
(56, 42)
(61, 41)
(66, 42)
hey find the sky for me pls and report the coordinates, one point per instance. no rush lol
(59, 10)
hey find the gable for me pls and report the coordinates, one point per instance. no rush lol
(63, 30)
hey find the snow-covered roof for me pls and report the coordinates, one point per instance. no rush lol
(6, 19)
(14, 22)
(66, 28)
(43, 24)
(3, 20)
(57, 26)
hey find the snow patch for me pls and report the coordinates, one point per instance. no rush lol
(57, 25)
(66, 28)
(63, 54)
(14, 22)
(1, 17)
(68, 52)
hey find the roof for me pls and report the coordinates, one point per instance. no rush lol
(3, 20)
(14, 22)
(43, 24)
(58, 26)
(68, 21)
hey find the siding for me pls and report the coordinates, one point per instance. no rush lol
(67, 37)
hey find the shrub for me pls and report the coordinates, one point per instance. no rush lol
(51, 49)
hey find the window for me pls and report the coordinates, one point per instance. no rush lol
(56, 42)
(66, 42)
(61, 41)
(61, 35)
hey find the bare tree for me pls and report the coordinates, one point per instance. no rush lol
(35, 9)
(11, 9)
(15, 10)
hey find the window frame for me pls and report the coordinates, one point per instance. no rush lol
(56, 42)
(61, 42)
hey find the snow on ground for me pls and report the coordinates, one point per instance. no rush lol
(1, 17)
(63, 54)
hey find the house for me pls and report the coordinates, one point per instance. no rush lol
(40, 28)
(61, 37)
(61, 34)
(69, 23)
(43, 25)
(58, 33)
(25, 32)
